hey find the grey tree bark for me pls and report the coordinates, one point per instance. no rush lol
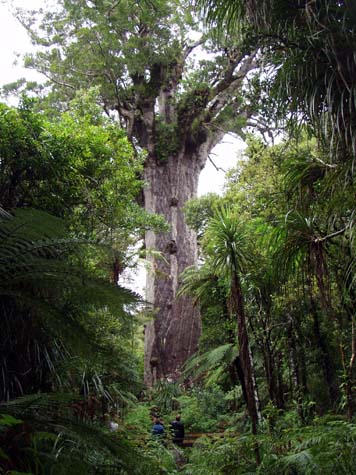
(173, 335)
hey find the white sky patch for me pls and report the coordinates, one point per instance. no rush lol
(15, 43)
(224, 156)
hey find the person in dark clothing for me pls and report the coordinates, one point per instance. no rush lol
(157, 428)
(177, 428)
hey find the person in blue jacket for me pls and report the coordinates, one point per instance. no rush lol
(157, 428)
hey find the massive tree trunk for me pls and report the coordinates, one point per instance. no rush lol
(175, 159)
(178, 134)
(171, 180)
(173, 335)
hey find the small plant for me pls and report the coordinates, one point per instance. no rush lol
(166, 140)
(165, 395)
(326, 447)
(204, 409)
(138, 418)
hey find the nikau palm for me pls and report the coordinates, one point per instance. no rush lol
(228, 254)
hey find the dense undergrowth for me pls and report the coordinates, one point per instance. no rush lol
(39, 435)
(288, 446)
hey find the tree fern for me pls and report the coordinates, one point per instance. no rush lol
(50, 439)
(210, 361)
(45, 285)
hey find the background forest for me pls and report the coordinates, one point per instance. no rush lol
(249, 317)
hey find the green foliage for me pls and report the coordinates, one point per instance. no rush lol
(198, 211)
(212, 364)
(203, 409)
(80, 167)
(127, 41)
(210, 291)
(49, 439)
(308, 51)
(226, 242)
(293, 208)
(254, 186)
(233, 122)
(193, 101)
(326, 447)
(282, 237)
(47, 325)
(6, 420)
(167, 140)
(40, 308)
(65, 327)
(140, 57)
(225, 458)
(166, 395)
(137, 417)
(322, 448)
(159, 453)
(157, 458)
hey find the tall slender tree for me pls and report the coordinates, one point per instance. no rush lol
(176, 107)
(228, 248)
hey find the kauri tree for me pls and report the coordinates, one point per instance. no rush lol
(144, 57)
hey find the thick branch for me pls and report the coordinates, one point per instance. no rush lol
(231, 75)
(230, 83)
(188, 49)
(55, 81)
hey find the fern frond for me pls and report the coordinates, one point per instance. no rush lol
(43, 280)
(199, 365)
(59, 438)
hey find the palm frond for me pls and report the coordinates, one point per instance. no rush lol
(198, 282)
(222, 12)
(309, 50)
(228, 242)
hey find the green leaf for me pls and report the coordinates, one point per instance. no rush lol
(8, 420)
